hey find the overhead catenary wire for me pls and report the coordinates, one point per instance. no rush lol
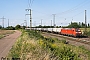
(30, 2)
(3, 21)
(78, 14)
(74, 8)
(71, 16)
(66, 18)
(65, 12)
(29, 9)
(44, 16)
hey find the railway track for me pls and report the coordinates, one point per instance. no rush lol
(81, 40)
(76, 41)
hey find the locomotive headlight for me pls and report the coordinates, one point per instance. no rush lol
(79, 32)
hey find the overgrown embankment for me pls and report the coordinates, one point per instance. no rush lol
(31, 45)
(87, 32)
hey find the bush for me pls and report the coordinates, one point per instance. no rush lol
(17, 27)
(10, 28)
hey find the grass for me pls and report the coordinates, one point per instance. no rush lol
(83, 29)
(5, 32)
(86, 33)
(31, 45)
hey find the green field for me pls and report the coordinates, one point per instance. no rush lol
(31, 45)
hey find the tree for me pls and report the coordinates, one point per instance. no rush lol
(88, 25)
(23, 27)
(0, 26)
(79, 24)
(74, 25)
(10, 28)
(83, 25)
(17, 27)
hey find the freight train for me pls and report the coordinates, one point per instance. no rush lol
(75, 32)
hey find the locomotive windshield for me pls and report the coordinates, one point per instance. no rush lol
(78, 30)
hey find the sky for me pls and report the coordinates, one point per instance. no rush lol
(65, 11)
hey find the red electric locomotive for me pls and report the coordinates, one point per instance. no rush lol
(71, 32)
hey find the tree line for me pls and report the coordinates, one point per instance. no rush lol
(12, 28)
(71, 25)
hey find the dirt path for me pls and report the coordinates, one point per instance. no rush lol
(7, 42)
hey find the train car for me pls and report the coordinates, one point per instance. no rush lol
(58, 30)
(45, 29)
(27, 28)
(42, 29)
(35, 28)
(76, 32)
(50, 30)
(54, 30)
(38, 29)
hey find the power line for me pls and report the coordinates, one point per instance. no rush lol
(34, 23)
(74, 8)
(85, 23)
(30, 17)
(51, 23)
(3, 21)
(41, 22)
(54, 20)
(73, 15)
(77, 14)
(8, 22)
(30, 2)
(25, 22)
